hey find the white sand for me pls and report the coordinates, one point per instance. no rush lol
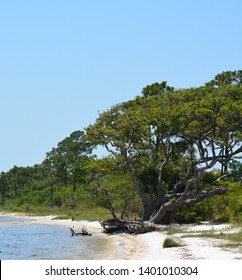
(149, 246)
(192, 247)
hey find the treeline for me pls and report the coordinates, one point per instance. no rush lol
(70, 178)
(165, 148)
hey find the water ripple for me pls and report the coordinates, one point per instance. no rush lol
(25, 241)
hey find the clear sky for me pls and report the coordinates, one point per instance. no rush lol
(63, 61)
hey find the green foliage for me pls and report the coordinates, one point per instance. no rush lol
(234, 203)
(235, 167)
(110, 187)
(3, 187)
(156, 89)
(226, 78)
(170, 243)
(168, 139)
(226, 208)
(87, 214)
(162, 145)
(66, 163)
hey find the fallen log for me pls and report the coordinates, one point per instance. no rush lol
(129, 226)
(81, 233)
(84, 232)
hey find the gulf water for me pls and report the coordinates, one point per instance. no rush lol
(21, 239)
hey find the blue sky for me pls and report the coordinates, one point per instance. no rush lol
(62, 62)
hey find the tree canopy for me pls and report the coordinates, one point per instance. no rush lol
(190, 130)
(172, 153)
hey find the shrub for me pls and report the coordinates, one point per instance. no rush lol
(169, 243)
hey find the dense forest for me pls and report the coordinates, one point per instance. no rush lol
(173, 155)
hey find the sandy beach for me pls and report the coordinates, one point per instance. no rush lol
(149, 246)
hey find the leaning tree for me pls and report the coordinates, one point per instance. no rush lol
(156, 133)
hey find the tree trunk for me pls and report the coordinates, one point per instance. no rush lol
(148, 211)
(168, 210)
(164, 214)
(51, 194)
(3, 199)
(166, 218)
(108, 199)
(111, 209)
(74, 185)
(164, 207)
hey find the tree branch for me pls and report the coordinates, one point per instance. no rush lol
(167, 150)
(108, 199)
(205, 194)
(135, 179)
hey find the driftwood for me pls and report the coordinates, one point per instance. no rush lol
(84, 232)
(132, 227)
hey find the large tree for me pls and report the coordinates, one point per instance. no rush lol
(168, 141)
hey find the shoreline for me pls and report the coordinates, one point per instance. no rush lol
(149, 246)
(119, 246)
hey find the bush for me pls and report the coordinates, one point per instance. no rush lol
(169, 243)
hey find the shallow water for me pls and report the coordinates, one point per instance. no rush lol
(22, 240)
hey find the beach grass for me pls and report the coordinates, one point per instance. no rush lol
(233, 239)
(172, 231)
(92, 214)
(88, 214)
